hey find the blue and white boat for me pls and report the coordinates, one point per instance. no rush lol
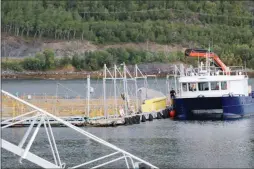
(211, 92)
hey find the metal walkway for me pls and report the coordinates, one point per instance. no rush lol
(43, 116)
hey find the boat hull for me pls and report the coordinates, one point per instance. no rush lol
(228, 107)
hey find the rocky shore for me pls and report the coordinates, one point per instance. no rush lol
(158, 69)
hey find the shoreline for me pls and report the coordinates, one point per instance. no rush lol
(71, 75)
(61, 75)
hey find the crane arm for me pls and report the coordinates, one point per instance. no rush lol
(205, 53)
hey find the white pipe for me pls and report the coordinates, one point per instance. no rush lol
(126, 161)
(27, 134)
(19, 116)
(54, 143)
(97, 159)
(88, 96)
(115, 89)
(108, 162)
(132, 162)
(136, 87)
(125, 89)
(104, 91)
(31, 140)
(52, 149)
(8, 125)
(95, 138)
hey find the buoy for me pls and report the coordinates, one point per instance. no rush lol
(164, 113)
(143, 118)
(150, 118)
(134, 121)
(126, 121)
(159, 116)
(130, 121)
(172, 113)
(138, 119)
(113, 124)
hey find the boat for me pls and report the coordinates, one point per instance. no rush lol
(212, 90)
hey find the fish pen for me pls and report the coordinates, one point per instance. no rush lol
(123, 94)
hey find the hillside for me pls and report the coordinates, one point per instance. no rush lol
(16, 46)
(75, 26)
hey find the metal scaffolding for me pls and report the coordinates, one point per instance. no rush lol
(123, 76)
(43, 117)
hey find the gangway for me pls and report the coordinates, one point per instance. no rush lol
(38, 114)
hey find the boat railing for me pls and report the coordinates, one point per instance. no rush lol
(233, 95)
(209, 70)
(42, 117)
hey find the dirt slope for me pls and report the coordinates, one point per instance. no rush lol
(13, 46)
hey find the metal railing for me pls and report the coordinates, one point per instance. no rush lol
(209, 70)
(43, 117)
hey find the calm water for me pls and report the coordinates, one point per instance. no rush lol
(164, 143)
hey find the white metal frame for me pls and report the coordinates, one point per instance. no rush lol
(123, 76)
(44, 116)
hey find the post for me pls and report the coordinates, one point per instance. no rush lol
(115, 76)
(167, 84)
(145, 84)
(56, 96)
(88, 96)
(125, 89)
(104, 91)
(175, 77)
(136, 86)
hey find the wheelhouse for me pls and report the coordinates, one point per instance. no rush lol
(202, 83)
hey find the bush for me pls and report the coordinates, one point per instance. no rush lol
(64, 61)
(33, 64)
(49, 59)
(78, 62)
(12, 65)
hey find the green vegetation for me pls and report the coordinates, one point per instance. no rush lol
(228, 25)
(90, 60)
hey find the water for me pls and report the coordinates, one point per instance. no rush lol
(164, 143)
(79, 86)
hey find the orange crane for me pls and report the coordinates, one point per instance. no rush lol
(206, 53)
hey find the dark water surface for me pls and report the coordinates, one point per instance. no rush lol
(164, 143)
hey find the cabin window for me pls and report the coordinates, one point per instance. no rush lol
(224, 86)
(203, 86)
(215, 85)
(192, 87)
(184, 86)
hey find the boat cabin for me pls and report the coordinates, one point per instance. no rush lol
(212, 85)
